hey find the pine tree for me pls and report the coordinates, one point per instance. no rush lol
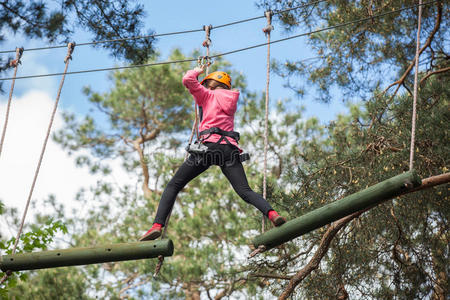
(57, 23)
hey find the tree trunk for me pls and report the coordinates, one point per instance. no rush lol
(191, 291)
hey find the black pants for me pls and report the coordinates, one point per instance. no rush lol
(224, 155)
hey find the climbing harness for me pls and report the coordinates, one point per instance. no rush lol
(200, 148)
(223, 134)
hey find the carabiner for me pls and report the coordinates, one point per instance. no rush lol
(204, 61)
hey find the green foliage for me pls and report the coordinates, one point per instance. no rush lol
(59, 283)
(398, 249)
(358, 58)
(38, 238)
(105, 20)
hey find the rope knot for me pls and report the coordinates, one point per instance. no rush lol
(159, 265)
(268, 14)
(207, 41)
(14, 63)
(260, 249)
(70, 48)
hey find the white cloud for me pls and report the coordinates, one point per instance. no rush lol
(32, 64)
(28, 121)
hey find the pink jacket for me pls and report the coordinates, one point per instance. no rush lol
(218, 106)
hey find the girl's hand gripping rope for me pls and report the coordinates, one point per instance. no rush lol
(200, 70)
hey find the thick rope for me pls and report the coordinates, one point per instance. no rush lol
(207, 42)
(13, 64)
(267, 30)
(416, 74)
(70, 47)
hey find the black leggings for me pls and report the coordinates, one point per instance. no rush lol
(224, 155)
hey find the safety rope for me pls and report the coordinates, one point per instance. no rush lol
(201, 61)
(233, 51)
(169, 33)
(206, 62)
(12, 64)
(71, 47)
(207, 42)
(267, 30)
(414, 112)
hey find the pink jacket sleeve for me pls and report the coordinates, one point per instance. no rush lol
(197, 90)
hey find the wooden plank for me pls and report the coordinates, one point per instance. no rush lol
(84, 256)
(371, 196)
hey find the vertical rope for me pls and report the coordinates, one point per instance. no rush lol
(193, 131)
(15, 64)
(207, 43)
(70, 47)
(416, 74)
(195, 126)
(266, 31)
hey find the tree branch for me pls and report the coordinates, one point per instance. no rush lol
(137, 146)
(331, 232)
(273, 276)
(17, 13)
(431, 182)
(313, 264)
(425, 46)
(443, 70)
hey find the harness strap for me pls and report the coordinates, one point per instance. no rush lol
(216, 130)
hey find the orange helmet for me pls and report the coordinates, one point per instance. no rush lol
(219, 76)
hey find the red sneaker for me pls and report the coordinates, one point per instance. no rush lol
(276, 219)
(152, 234)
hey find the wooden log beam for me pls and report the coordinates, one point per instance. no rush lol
(331, 212)
(85, 256)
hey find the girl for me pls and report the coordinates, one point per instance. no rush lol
(217, 146)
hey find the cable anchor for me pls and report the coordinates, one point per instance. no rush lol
(268, 14)
(260, 249)
(70, 48)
